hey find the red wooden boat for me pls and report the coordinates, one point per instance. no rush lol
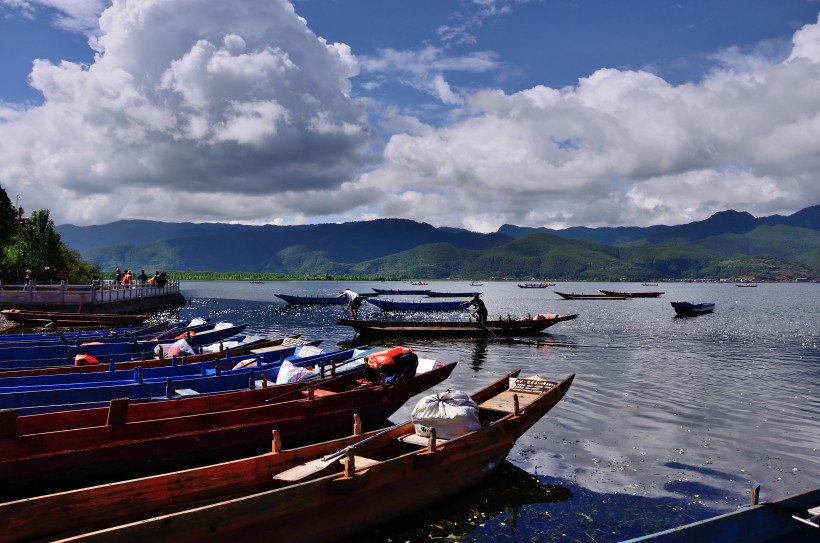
(37, 454)
(303, 494)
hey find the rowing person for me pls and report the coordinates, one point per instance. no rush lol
(353, 303)
(480, 311)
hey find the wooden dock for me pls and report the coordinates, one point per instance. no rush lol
(91, 298)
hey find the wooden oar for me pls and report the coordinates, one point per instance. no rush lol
(314, 466)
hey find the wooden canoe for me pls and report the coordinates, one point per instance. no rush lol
(255, 369)
(583, 296)
(144, 438)
(296, 495)
(25, 316)
(793, 519)
(390, 305)
(689, 309)
(456, 329)
(637, 294)
(225, 351)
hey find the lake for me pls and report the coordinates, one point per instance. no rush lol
(668, 421)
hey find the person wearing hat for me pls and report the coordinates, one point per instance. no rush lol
(480, 311)
(28, 277)
(354, 301)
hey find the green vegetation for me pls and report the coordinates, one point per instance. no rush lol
(35, 243)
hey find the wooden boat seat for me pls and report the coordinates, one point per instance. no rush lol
(415, 439)
(504, 401)
(318, 393)
(361, 462)
(814, 520)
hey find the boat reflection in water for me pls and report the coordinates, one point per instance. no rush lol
(495, 504)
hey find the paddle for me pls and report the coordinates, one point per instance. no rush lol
(485, 326)
(314, 466)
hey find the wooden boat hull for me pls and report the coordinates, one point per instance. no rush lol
(639, 294)
(24, 316)
(292, 495)
(433, 294)
(227, 352)
(454, 329)
(401, 292)
(688, 309)
(762, 523)
(136, 446)
(582, 296)
(389, 305)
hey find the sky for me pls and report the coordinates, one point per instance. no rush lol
(459, 113)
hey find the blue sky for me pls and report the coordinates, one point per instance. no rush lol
(458, 113)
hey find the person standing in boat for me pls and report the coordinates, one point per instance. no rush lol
(480, 310)
(354, 301)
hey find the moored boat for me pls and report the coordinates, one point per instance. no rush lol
(127, 440)
(637, 294)
(792, 519)
(401, 292)
(25, 316)
(390, 305)
(280, 495)
(583, 296)
(456, 329)
(434, 294)
(689, 309)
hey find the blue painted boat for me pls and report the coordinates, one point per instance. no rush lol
(433, 294)
(260, 370)
(794, 519)
(311, 300)
(390, 305)
(401, 292)
(71, 336)
(59, 355)
(136, 375)
(688, 309)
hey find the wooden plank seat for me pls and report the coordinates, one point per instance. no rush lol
(415, 439)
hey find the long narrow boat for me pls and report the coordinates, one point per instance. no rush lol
(689, 309)
(51, 355)
(583, 296)
(794, 519)
(223, 350)
(295, 495)
(247, 371)
(390, 305)
(638, 294)
(456, 329)
(401, 292)
(127, 442)
(535, 285)
(25, 316)
(147, 374)
(434, 294)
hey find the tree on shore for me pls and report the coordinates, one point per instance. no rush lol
(35, 242)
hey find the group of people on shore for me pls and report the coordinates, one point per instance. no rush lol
(125, 278)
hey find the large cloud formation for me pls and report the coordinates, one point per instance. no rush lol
(225, 111)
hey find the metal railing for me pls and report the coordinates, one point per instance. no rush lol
(103, 292)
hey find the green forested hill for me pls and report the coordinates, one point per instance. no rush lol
(727, 245)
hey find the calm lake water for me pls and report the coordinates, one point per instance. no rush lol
(668, 421)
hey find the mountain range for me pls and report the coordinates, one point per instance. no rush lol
(728, 244)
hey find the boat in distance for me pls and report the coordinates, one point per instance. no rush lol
(535, 285)
(783, 520)
(583, 296)
(456, 329)
(390, 305)
(638, 294)
(689, 309)
(320, 492)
